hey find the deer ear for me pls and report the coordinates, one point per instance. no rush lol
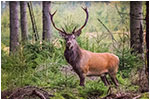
(77, 33)
(62, 34)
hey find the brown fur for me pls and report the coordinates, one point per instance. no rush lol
(86, 63)
(73, 57)
(99, 63)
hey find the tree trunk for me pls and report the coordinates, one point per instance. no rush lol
(46, 21)
(23, 11)
(136, 31)
(14, 26)
(136, 27)
(147, 38)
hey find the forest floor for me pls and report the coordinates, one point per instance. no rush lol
(33, 92)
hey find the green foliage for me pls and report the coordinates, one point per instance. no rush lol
(94, 44)
(93, 89)
(125, 84)
(145, 96)
(58, 96)
(5, 27)
(128, 61)
(15, 69)
(22, 65)
(37, 53)
(47, 73)
(67, 93)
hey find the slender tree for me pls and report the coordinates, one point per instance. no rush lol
(46, 21)
(147, 37)
(23, 15)
(136, 27)
(14, 25)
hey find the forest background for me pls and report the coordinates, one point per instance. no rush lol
(39, 63)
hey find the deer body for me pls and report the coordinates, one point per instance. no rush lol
(99, 63)
(86, 63)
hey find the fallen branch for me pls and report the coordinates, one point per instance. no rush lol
(26, 92)
(12, 94)
(137, 96)
(39, 94)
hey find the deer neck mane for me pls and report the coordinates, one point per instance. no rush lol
(73, 55)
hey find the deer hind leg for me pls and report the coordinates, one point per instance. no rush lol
(114, 79)
(105, 80)
(112, 73)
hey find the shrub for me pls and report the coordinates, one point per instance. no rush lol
(14, 68)
(93, 90)
(19, 69)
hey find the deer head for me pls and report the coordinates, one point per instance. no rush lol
(70, 38)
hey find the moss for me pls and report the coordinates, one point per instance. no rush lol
(145, 95)
(57, 96)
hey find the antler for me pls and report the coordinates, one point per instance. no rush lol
(61, 31)
(78, 32)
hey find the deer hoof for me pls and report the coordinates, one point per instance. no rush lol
(81, 84)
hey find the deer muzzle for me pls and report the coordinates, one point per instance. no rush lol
(69, 45)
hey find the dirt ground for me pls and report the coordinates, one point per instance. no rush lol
(28, 92)
(31, 92)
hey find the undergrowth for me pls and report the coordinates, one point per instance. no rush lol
(39, 65)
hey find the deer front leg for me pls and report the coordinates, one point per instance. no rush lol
(82, 79)
(81, 76)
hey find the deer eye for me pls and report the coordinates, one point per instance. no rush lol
(66, 39)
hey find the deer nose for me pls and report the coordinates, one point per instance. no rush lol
(68, 43)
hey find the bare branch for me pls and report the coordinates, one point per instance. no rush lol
(137, 97)
(107, 29)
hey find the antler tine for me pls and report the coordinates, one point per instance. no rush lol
(51, 16)
(74, 29)
(87, 15)
(63, 29)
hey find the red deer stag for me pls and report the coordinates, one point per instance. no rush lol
(86, 63)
